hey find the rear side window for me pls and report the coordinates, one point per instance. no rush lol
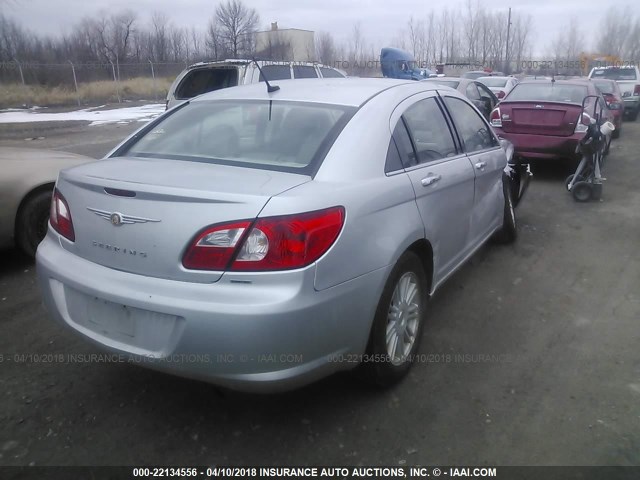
(304, 71)
(472, 129)
(394, 162)
(197, 82)
(275, 72)
(285, 136)
(330, 73)
(429, 131)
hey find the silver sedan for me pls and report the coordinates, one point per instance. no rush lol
(261, 240)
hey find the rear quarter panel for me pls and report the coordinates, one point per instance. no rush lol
(382, 217)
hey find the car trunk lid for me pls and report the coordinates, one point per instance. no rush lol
(159, 206)
(540, 118)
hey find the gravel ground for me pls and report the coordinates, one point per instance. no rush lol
(532, 359)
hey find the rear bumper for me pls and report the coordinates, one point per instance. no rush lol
(266, 335)
(543, 146)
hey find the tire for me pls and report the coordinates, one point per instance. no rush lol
(582, 191)
(616, 133)
(32, 222)
(568, 180)
(386, 362)
(633, 116)
(509, 231)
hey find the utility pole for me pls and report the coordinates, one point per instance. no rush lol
(506, 56)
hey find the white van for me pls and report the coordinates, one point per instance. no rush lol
(205, 77)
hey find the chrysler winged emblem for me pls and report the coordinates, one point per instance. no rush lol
(117, 219)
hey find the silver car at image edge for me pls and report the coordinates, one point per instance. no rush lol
(26, 184)
(261, 241)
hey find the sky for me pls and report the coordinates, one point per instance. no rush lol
(380, 20)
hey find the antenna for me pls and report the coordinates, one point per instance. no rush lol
(270, 88)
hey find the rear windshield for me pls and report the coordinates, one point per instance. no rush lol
(284, 136)
(548, 92)
(493, 82)
(606, 87)
(197, 82)
(446, 83)
(615, 73)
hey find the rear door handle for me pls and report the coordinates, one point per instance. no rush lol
(481, 165)
(430, 180)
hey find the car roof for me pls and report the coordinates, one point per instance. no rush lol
(494, 77)
(614, 67)
(572, 81)
(240, 62)
(447, 79)
(335, 91)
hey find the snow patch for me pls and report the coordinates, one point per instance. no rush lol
(142, 113)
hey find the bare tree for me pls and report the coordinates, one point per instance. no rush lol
(473, 23)
(159, 37)
(521, 38)
(356, 49)
(238, 25)
(325, 48)
(214, 40)
(615, 32)
(632, 46)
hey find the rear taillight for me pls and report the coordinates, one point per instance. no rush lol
(271, 243)
(500, 94)
(214, 247)
(636, 91)
(60, 216)
(496, 121)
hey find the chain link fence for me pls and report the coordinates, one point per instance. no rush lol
(26, 83)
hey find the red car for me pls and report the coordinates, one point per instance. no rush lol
(544, 119)
(613, 96)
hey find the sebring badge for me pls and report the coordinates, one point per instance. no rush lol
(117, 219)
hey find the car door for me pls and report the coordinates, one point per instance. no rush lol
(488, 159)
(472, 93)
(441, 175)
(489, 99)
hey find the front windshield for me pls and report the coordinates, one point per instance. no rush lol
(286, 136)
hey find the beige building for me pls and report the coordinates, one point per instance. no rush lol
(291, 44)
